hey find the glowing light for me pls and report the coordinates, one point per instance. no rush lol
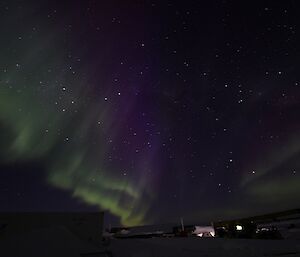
(239, 227)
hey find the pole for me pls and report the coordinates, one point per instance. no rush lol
(182, 226)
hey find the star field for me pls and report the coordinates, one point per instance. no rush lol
(150, 110)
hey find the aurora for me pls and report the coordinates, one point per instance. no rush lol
(149, 111)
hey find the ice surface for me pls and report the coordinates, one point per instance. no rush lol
(203, 247)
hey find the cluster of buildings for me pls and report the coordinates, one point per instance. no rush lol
(278, 225)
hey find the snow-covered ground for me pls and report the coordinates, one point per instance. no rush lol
(203, 247)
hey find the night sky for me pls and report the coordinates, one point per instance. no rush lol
(151, 110)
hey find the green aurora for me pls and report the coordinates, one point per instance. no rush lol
(37, 119)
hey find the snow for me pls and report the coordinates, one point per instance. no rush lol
(204, 247)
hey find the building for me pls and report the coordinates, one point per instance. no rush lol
(51, 234)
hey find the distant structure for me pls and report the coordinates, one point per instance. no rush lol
(194, 230)
(162, 230)
(276, 225)
(51, 234)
